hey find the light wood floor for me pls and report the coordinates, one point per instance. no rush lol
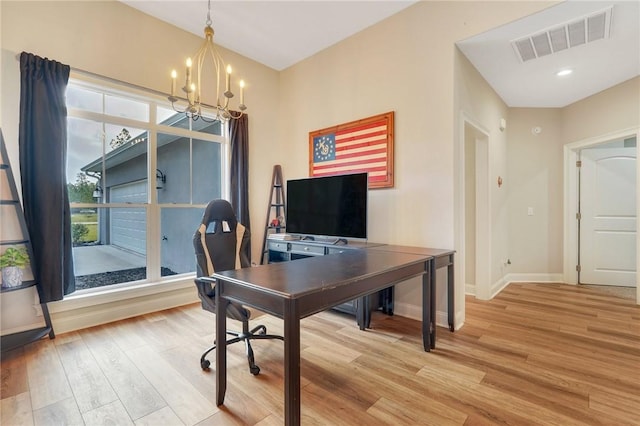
(537, 354)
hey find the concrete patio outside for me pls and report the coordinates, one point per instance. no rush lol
(105, 258)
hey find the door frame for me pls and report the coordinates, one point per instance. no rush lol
(571, 200)
(483, 214)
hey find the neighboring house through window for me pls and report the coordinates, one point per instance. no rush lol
(139, 176)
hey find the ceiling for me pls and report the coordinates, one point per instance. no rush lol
(262, 31)
(596, 65)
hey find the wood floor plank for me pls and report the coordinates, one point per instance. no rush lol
(14, 380)
(63, 412)
(88, 383)
(183, 398)
(113, 413)
(624, 408)
(403, 411)
(134, 391)
(164, 416)
(16, 410)
(48, 382)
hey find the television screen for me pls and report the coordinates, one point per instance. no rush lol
(332, 206)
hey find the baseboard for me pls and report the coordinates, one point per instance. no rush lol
(498, 286)
(22, 328)
(534, 278)
(470, 289)
(415, 312)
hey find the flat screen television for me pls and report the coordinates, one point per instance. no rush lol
(328, 206)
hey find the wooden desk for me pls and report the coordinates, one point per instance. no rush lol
(441, 258)
(295, 290)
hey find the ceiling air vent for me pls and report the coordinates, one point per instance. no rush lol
(595, 26)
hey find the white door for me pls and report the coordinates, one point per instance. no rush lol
(608, 216)
(129, 225)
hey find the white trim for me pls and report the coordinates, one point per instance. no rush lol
(483, 215)
(570, 237)
(109, 294)
(415, 313)
(498, 286)
(82, 311)
(470, 289)
(21, 328)
(533, 278)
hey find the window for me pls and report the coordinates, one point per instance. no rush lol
(139, 177)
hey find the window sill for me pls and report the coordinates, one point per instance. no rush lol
(101, 307)
(111, 295)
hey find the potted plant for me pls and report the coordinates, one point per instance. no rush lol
(12, 262)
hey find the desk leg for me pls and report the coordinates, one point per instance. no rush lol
(426, 305)
(221, 344)
(432, 273)
(451, 294)
(291, 364)
(363, 312)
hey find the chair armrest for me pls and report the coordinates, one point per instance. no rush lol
(206, 287)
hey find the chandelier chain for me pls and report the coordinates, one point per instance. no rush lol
(208, 21)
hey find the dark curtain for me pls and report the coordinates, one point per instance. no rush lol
(239, 138)
(43, 156)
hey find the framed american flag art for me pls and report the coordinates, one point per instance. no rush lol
(359, 146)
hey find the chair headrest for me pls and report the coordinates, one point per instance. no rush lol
(219, 211)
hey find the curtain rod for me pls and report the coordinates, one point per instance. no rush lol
(121, 82)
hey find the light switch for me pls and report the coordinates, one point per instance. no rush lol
(530, 211)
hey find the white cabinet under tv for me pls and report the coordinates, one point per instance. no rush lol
(287, 250)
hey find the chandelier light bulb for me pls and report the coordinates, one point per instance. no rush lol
(241, 95)
(174, 75)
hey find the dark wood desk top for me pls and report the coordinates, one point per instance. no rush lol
(348, 275)
(413, 250)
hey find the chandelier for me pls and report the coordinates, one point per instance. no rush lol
(193, 83)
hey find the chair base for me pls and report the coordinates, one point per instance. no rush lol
(257, 333)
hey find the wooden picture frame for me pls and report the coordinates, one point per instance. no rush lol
(358, 146)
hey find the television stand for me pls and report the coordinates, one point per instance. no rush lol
(307, 246)
(327, 241)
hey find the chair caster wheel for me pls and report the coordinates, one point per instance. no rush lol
(255, 370)
(204, 364)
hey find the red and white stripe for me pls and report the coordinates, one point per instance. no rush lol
(358, 149)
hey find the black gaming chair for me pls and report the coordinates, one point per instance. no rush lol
(221, 244)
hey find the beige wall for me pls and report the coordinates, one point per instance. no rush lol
(536, 182)
(611, 110)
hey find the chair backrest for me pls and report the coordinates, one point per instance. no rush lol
(221, 243)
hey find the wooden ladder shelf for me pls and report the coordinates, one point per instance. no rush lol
(275, 222)
(16, 235)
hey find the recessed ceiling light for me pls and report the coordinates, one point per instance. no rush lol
(564, 72)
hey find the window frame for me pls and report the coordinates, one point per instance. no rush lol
(152, 207)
